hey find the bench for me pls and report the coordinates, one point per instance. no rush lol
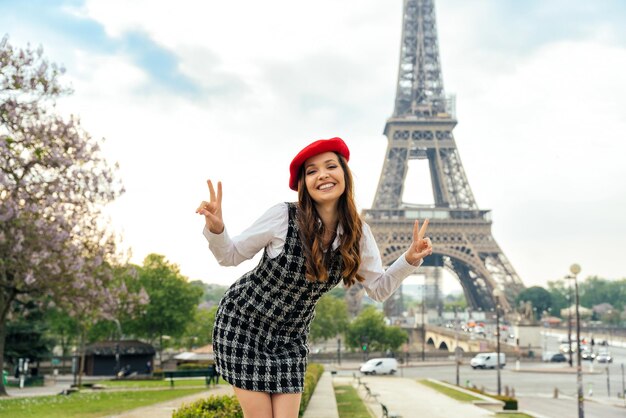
(210, 375)
(369, 393)
(386, 413)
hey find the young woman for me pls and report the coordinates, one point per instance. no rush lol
(263, 320)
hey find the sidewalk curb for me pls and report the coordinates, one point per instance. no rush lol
(485, 401)
(554, 371)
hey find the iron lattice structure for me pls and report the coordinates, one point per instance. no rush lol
(421, 128)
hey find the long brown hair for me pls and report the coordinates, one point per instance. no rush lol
(312, 231)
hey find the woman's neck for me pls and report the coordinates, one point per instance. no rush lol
(329, 216)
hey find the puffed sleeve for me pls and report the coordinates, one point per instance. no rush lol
(269, 230)
(380, 283)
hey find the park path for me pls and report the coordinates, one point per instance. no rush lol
(165, 409)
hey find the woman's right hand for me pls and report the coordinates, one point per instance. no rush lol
(212, 210)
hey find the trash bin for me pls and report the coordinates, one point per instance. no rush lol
(4, 377)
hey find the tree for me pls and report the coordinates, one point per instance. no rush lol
(539, 297)
(560, 295)
(103, 295)
(611, 317)
(454, 302)
(26, 336)
(173, 301)
(212, 292)
(63, 331)
(338, 292)
(394, 338)
(370, 331)
(199, 331)
(331, 318)
(595, 290)
(53, 185)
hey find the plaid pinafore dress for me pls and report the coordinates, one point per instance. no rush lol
(263, 320)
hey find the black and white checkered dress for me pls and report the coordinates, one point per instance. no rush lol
(263, 320)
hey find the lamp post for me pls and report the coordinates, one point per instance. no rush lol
(457, 353)
(569, 324)
(575, 269)
(423, 321)
(496, 297)
(117, 346)
(339, 351)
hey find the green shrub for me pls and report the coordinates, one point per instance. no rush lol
(313, 373)
(29, 381)
(510, 404)
(228, 406)
(212, 407)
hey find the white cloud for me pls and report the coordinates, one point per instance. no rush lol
(539, 126)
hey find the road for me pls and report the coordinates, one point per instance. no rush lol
(534, 386)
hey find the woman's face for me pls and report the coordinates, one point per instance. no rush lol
(324, 178)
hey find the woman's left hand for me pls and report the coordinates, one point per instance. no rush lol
(420, 247)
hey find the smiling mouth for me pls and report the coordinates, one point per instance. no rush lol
(326, 186)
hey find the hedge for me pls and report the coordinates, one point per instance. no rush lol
(313, 373)
(213, 407)
(228, 406)
(510, 403)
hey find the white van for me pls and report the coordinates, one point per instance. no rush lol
(380, 366)
(488, 361)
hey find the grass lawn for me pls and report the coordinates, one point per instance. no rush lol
(349, 403)
(454, 394)
(86, 405)
(139, 384)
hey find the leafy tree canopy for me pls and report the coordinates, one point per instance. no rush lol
(369, 329)
(331, 318)
(539, 297)
(173, 300)
(199, 331)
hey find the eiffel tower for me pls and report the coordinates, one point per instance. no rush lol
(421, 128)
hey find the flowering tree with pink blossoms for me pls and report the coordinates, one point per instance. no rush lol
(53, 185)
(103, 295)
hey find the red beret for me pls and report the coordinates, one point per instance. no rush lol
(323, 145)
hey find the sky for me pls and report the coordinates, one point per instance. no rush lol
(190, 90)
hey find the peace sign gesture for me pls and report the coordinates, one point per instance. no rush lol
(212, 210)
(420, 247)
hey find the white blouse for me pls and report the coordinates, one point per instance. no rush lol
(270, 232)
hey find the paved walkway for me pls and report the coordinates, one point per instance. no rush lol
(323, 403)
(408, 398)
(165, 409)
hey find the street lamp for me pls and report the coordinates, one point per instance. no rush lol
(575, 269)
(423, 321)
(457, 353)
(496, 296)
(569, 323)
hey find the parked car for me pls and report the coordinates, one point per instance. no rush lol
(604, 358)
(558, 358)
(565, 348)
(487, 361)
(380, 366)
(479, 330)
